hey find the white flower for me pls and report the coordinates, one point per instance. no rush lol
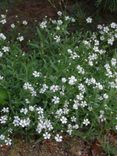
(106, 29)
(43, 24)
(80, 97)
(63, 120)
(67, 18)
(76, 104)
(28, 86)
(89, 20)
(73, 19)
(54, 88)
(1, 77)
(81, 87)
(99, 26)
(87, 43)
(69, 51)
(59, 112)
(33, 92)
(56, 100)
(24, 110)
(115, 35)
(58, 138)
(73, 119)
(73, 54)
(3, 119)
(64, 80)
(27, 101)
(80, 69)
(102, 117)
(20, 38)
(5, 110)
(86, 122)
(57, 28)
(43, 89)
(36, 74)
(57, 39)
(72, 80)
(102, 38)
(3, 21)
(8, 142)
(46, 135)
(65, 110)
(24, 122)
(59, 13)
(90, 108)
(2, 137)
(13, 25)
(113, 25)
(39, 110)
(3, 16)
(2, 36)
(24, 22)
(60, 22)
(54, 21)
(105, 96)
(99, 86)
(31, 108)
(6, 49)
(111, 40)
(83, 104)
(16, 121)
(113, 62)
(96, 49)
(76, 126)
(1, 54)
(69, 131)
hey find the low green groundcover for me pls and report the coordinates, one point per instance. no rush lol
(66, 82)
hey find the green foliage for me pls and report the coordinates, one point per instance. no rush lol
(3, 96)
(109, 148)
(65, 84)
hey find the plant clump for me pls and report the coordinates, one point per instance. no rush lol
(65, 84)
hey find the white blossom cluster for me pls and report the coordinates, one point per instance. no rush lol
(3, 19)
(28, 86)
(75, 90)
(4, 49)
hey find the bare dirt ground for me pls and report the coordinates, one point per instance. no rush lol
(69, 147)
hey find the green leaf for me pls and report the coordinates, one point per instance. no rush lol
(3, 95)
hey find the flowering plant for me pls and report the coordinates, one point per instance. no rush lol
(67, 84)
